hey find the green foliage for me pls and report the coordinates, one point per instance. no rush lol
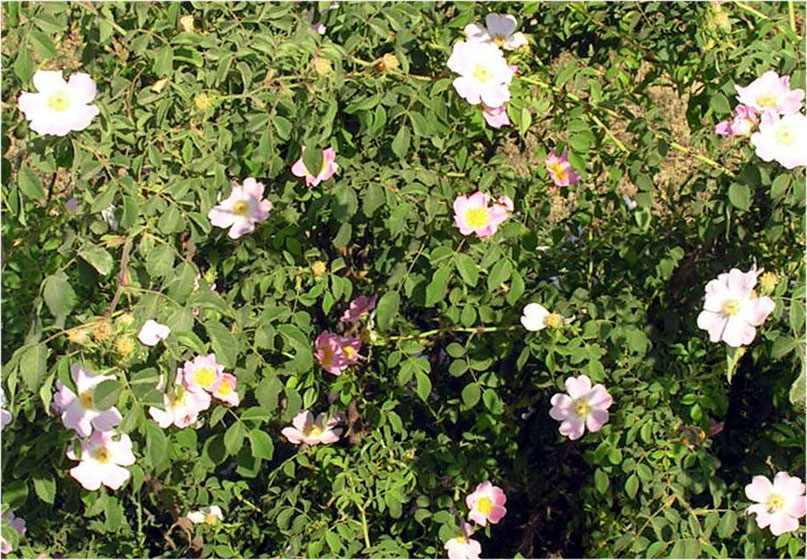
(450, 390)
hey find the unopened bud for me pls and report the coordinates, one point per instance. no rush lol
(387, 63)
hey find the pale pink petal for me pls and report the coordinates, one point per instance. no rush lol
(759, 490)
(578, 386)
(572, 427)
(596, 419)
(782, 523)
(496, 514)
(89, 476)
(107, 420)
(114, 476)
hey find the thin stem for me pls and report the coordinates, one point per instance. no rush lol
(442, 330)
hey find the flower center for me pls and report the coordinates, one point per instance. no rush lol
(784, 136)
(225, 389)
(766, 100)
(86, 399)
(327, 357)
(241, 208)
(349, 352)
(312, 431)
(204, 376)
(477, 217)
(211, 519)
(481, 74)
(461, 539)
(774, 503)
(553, 320)
(58, 102)
(100, 454)
(558, 170)
(484, 506)
(499, 40)
(581, 408)
(730, 307)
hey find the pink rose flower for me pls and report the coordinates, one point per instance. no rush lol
(242, 210)
(496, 117)
(581, 407)
(202, 373)
(770, 92)
(102, 461)
(742, 123)
(305, 429)
(152, 333)
(359, 307)
(782, 139)
(560, 170)
(329, 167)
(779, 505)
(476, 214)
(181, 406)
(336, 353)
(225, 390)
(16, 523)
(484, 75)
(59, 107)
(731, 309)
(499, 30)
(5, 415)
(463, 547)
(486, 503)
(78, 412)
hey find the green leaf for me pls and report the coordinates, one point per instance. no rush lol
(33, 365)
(423, 385)
(156, 445)
(98, 257)
(387, 310)
(45, 487)
(468, 269)
(798, 391)
(42, 44)
(267, 393)
(720, 104)
(59, 296)
(234, 438)
(499, 274)
(106, 394)
(740, 196)
(312, 159)
(29, 183)
(225, 345)
(471, 394)
(436, 290)
(400, 144)
(728, 524)
(261, 444)
(632, 485)
(601, 481)
(164, 61)
(24, 65)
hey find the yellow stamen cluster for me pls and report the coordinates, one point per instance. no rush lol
(476, 217)
(730, 307)
(767, 283)
(318, 268)
(58, 102)
(553, 321)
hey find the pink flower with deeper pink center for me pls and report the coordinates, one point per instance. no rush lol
(770, 92)
(496, 117)
(336, 353)
(359, 307)
(102, 461)
(16, 523)
(329, 167)
(779, 505)
(476, 214)
(741, 124)
(560, 170)
(732, 310)
(225, 390)
(463, 547)
(79, 412)
(486, 503)
(202, 373)
(583, 406)
(242, 210)
(305, 429)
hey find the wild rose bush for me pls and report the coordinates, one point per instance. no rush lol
(390, 280)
